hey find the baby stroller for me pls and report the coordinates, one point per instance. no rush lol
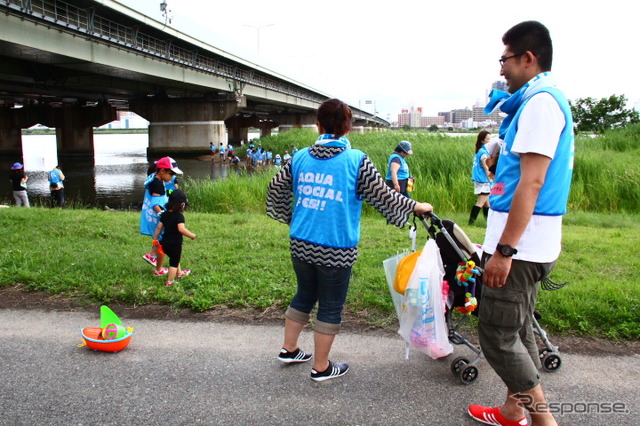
(456, 250)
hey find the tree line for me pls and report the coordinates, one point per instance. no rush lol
(600, 115)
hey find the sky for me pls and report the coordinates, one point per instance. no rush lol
(415, 53)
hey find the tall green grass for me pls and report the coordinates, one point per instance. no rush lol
(606, 171)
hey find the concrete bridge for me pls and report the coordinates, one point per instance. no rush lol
(73, 64)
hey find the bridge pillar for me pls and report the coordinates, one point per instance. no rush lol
(183, 127)
(238, 128)
(295, 121)
(12, 121)
(11, 143)
(238, 134)
(265, 127)
(74, 128)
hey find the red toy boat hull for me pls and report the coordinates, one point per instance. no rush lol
(92, 337)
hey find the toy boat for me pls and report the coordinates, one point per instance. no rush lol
(93, 339)
(111, 336)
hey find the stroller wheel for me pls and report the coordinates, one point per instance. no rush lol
(551, 362)
(469, 374)
(457, 365)
(543, 352)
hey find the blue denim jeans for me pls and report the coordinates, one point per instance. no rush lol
(323, 285)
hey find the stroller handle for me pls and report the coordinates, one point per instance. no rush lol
(433, 217)
(437, 223)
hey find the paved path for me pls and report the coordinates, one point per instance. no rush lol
(178, 372)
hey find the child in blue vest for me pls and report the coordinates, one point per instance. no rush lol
(155, 197)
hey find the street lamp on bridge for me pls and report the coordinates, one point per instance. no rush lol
(258, 28)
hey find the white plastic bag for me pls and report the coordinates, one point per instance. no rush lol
(422, 321)
(390, 266)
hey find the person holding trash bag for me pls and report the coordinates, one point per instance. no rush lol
(398, 170)
(524, 229)
(319, 194)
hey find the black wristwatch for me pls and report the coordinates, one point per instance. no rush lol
(506, 250)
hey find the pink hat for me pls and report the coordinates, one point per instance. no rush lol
(169, 164)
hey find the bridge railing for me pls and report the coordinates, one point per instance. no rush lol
(88, 22)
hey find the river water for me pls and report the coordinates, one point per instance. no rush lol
(116, 180)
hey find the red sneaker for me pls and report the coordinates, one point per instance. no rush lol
(492, 416)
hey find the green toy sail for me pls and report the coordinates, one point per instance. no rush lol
(107, 316)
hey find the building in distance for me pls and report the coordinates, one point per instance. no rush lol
(461, 118)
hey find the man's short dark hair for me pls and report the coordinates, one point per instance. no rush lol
(531, 36)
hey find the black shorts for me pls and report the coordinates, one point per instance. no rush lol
(174, 252)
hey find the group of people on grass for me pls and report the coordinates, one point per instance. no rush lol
(163, 219)
(319, 191)
(483, 170)
(256, 156)
(19, 186)
(528, 195)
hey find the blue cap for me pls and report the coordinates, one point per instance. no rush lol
(17, 166)
(405, 146)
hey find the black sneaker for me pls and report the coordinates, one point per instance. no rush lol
(294, 357)
(333, 371)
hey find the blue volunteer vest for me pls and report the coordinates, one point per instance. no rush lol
(477, 172)
(403, 171)
(552, 200)
(171, 185)
(149, 218)
(327, 207)
(54, 176)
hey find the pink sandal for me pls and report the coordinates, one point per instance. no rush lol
(163, 271)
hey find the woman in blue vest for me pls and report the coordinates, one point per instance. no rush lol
(19, 185)
(319, 194)
(56, 186)
(481, 177)
(398, 169)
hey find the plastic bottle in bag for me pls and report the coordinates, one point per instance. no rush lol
(424, 328)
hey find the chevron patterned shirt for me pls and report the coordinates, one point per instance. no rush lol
(395, 207)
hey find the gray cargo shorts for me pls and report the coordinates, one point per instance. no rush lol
(505, 325)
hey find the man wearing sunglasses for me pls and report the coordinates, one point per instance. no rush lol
(522, 241)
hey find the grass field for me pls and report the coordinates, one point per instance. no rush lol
(241, 257)
(241, 261)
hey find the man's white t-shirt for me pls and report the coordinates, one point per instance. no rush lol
(494, 146)
(539, 127)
